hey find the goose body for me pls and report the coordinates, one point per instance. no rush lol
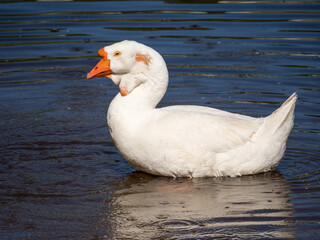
(184, 141)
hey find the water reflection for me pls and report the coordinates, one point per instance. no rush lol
(247, 207)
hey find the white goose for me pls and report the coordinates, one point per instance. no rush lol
(183, 141)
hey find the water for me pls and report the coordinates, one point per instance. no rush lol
(62, 178)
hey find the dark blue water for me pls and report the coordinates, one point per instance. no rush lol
(62, 178)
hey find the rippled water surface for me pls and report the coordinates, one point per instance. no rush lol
(62, 178)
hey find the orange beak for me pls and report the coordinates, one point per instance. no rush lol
(102, 69)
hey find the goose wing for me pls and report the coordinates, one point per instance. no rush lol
(203, 127)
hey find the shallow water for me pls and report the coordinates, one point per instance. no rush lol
(62, 178)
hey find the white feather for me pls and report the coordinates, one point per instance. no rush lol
(187, 141)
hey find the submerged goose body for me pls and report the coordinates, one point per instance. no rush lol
(184, 141)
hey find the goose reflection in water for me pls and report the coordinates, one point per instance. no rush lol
(246, 207)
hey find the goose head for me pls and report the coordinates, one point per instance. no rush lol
(132, 65)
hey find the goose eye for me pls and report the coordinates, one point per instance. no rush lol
(116, 54)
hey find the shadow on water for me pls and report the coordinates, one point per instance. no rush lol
(247, 207)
